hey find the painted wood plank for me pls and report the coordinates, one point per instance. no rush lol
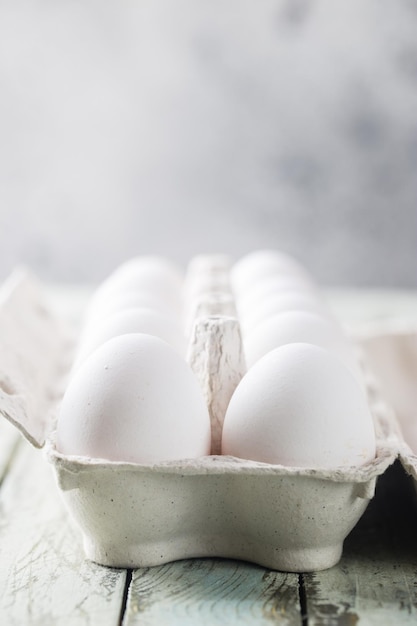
(212, 591)
(375, 582)
(44, 577)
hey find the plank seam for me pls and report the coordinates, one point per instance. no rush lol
(123, 607)
(303, 600)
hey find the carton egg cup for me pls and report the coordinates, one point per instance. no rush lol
(133, 515)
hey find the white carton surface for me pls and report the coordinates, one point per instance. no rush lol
(391, 351)
(131, 515)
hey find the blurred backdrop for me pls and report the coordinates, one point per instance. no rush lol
(184, 127)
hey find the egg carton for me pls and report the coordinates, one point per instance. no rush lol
(132, 515)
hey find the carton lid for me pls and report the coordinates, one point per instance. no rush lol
(390, 350)
(33, 346)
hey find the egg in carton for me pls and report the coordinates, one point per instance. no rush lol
(205, 498)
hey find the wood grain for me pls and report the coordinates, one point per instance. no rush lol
(375, 582)
(44, 577)
(212, 591)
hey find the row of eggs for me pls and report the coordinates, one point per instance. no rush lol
(132, 397)
(304, 382)
(278, 303)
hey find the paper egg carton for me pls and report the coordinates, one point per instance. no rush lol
(133, 515)
(390, 347)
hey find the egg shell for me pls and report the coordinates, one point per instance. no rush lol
(259, 265)
(297, 300)
(155, 276)
(134, 320)
(134, 400)
(300, 406)
(300, 327)
(155, 272)
(275, 285)
(109, 304)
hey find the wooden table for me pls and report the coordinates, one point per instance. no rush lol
(45, 579)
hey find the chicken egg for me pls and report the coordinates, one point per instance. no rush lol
(272, 286)
(257, 312)
(134, 399)
(299, 327)
(261, 264)
(110, 304)
(152, 271)
(300, 406)
(152, 275)
(134, 320)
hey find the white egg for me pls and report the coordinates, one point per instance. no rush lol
(151, 275)
(111, 303)
(260, 264)
(134, 400)
(300, 327)
(134, 320)
(275, 285)
(258, 312)
(300, 406)
(152, 271)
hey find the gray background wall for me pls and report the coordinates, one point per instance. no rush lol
(179, 127)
